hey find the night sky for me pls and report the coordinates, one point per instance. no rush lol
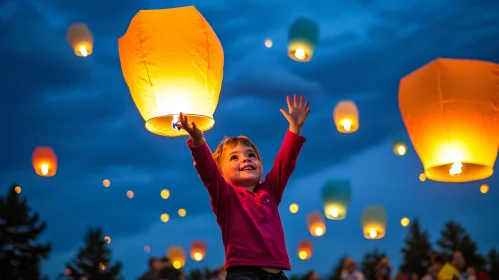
(82, 108)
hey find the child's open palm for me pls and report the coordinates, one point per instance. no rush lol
(297, 112)
(192, 129)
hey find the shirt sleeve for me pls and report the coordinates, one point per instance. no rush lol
(212, 179)
(284, 165)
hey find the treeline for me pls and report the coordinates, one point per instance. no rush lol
(21, 253)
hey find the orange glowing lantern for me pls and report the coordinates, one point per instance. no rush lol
(316, 224)
(450, 109)
(44, 161)
(198, 250)
(305, 249)
(176, 256)
(346, 117)
(81, 39)
(172, 62)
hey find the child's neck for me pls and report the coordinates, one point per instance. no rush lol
(251, 189)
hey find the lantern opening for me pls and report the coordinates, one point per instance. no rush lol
(319, 231)
(303, 255)
(168, 125)
(458, 171)
(335, 212)
(177, 265)
(374, 233)
(300, 51)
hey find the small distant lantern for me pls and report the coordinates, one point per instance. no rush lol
(165, 217)
(346, 117)
(172, 62)
(81, 39)
(130, 194)
(268, 43)
(374, 221)
(107, 239)
(182, 212)
(450, 110)
(293, 208)
(44, 161)
(198, 250)
(176, 256)
(484, 188)
(305, 249)
(399, 148)
(422, 177)
(336, 195)
(303, 37)
(405, 221)
(316, 224)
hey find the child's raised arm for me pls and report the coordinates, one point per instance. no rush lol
(285, 161)
(206, 166)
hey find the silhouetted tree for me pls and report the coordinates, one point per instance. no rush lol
(338, 268)
(195, 274)
(369, 263)
(20, 253)
(94, 260)
(417, 250)
(493, 263)
(454, 237)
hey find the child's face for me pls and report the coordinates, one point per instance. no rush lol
(241, 167)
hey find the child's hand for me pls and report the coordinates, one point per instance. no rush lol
(297, 113)
(195, 133)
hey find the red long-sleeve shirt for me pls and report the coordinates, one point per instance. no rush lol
(250, 223)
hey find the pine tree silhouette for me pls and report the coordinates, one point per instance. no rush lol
(93, 261)
(417, 250)
(454, 237)
(20, 253)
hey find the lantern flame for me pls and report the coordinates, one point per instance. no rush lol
(176, 123)
(319, 231)
(198, 256)
(44, 169)
(456, 169)
(83, 51)
(347, 124)
(334, 212)
(300, 53)
(373, 234)
(302, 255)
(401, 150)
(177, 264)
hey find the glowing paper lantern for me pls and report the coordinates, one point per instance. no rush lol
(336, 196)
(422, 177)
(305, 249)
(484, 188)
(374, 221)
(293, 208)
(405, 221)
(316, 224)
(44, 161)
(172, 62)
(399, 148)
(346, 117)
(182, 212)
(303, 37)
(198, 250)
(268, 43)
(176, 256)
(81, 39)
(450, 109)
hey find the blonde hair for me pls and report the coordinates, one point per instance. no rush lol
(231, 142)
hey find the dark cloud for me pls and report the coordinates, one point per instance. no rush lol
(82, 107)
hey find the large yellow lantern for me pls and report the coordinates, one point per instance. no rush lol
(374, 221)
(44, 161)
(316, 224)
(172, 62)
(305, 249)
(81, 40)
(198, 250)
(346, 117)
(176, 256)
(450, 109)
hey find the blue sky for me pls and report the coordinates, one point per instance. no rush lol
(82, 108)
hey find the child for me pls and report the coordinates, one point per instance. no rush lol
(244, 204)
